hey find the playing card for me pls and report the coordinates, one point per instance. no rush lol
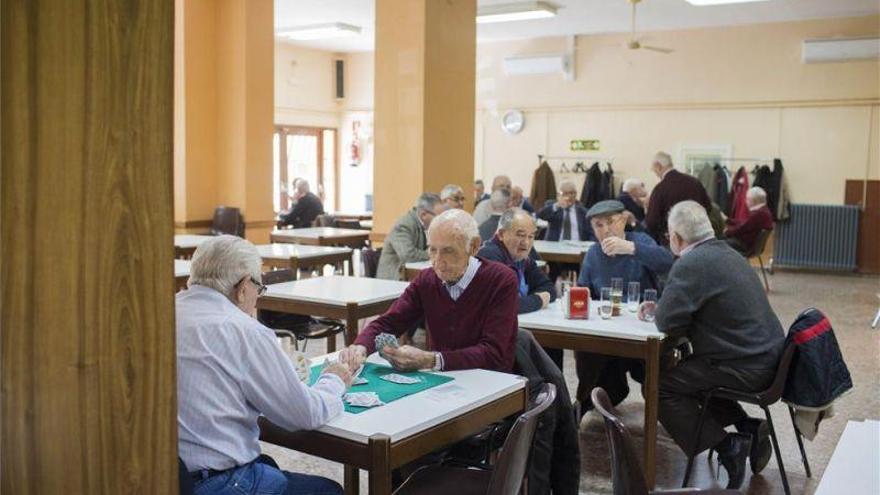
(359, 381)
(363, 399)
(385, 339)
(302, 364)
(402, 379)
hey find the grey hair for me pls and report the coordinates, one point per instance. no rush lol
(221, 262)
(427, 201)
(690, 221)
(758, 193)
(500, 199)
(663, 159)
(509, 216)
(632, 183)
(302, 186)
(479, 182)
(568, 184)
(460, 222)
(450, 190)
(501, 181)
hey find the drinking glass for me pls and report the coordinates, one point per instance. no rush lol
(605, 305)
(632, 297)
(616, 295)
(650, 302)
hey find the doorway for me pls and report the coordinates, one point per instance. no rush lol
(308, 153)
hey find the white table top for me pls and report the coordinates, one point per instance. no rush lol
(338, 290)
(415, 413)
(182, 268)
(299, 251)
(562, 247)
(626, 326)
(315, 232)
(854, 468)
(421, 265)
(189, 240)
(367, 224)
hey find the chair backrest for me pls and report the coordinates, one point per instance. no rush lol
(278, 276)
(370, 258)
(325, 221)
(507, 477)
(774, 392)
(185, 482)
(348, 224)
(757, 248)
(227, 220)
(627, 477)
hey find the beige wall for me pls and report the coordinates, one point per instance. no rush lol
(744, 87)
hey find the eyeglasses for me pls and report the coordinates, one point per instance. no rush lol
(261, 289)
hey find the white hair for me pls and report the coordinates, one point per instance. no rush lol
(302, 186)
(758, 194)
(690, 221)
(632, 183)
(663, 159)
(509, 217)
(220, 263)
(460, 222)
(567, 184)
(450, 190)
(499, 200)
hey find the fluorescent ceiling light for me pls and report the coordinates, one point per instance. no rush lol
(319, 31)
(521, 11)
(705, 3)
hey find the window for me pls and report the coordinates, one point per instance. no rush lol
(308, 153)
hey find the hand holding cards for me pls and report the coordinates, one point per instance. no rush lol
(385, 340)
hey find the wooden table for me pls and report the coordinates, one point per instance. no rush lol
(562, 252)
(295, 256)
(181, 274)
(413, 268)
(387, 437)
(322, 236)
(623, 336)
(340, 297)
(186, 244)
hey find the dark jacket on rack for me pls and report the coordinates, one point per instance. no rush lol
(818, 373)
(543, 185)
(531, 278)
(591, 193)
(773, 183)
(555, 216)
(555, 465)
(608, 183)
(673, 188)
(721, 188)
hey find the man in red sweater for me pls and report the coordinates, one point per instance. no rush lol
(469, 305)
(674, 187)
(742, 236)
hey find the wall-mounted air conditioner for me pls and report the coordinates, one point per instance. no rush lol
(556, 63)
(840, 50)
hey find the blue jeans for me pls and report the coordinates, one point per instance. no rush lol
(257, 478)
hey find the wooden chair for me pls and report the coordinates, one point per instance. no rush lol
(325, 220)
(227, 220)
(506, 477)
(757, 251)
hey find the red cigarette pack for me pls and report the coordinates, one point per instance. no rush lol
(579, 303)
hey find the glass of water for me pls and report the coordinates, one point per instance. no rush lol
(650, 305)
(616, 295)
(634, 290)
(606, 307)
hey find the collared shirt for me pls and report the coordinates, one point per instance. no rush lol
(231, 370)
(573, 220)
(455, 290)
(694, 245)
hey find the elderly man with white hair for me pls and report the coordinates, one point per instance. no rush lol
(499, 202)
(633, 195)
(469, 305)
(483, 210)
(566, 218)
(452, 196)
(674, 187)
(231, 370)
(742, 236)
(518, 200)
(305, 209)
(714, 299)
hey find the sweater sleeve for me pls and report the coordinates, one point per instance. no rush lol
(680, 300)
(496, 346)
(404, 314)
(657, 258)
(654, 218)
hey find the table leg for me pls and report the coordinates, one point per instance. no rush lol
(652, 380)
(352, 481)
(351, 323)
(351, 264)
(380, 472)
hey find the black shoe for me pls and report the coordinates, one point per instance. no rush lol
(759, 454)
(732, 453)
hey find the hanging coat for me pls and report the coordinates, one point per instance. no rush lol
(608, 183)
(721, 190)
(543, 186)
(592, 190)
(780, 182)
(739, 210)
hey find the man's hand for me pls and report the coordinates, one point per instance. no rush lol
(613, 246)
(409, 358)
(353, 356)
(545, 298)
(647, 308)
(341, 370)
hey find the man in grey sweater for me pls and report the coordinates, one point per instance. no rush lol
(406, 242)
(714, 298)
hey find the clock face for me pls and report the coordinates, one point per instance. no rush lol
(513, 121)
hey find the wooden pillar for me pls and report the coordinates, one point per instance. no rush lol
(424, 101)
(87, 326)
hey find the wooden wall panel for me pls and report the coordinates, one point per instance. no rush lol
(868, 257)
(87, 315)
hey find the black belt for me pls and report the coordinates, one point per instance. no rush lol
(204, 474)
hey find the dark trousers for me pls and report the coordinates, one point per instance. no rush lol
(556, 355)
(608, 372)
(681, 396)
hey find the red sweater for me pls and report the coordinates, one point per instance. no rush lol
(674, 188)
(477, 331)
(747, 231)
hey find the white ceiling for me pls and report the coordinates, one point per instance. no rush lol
(573, 17)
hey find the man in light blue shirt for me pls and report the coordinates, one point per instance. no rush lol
(231, 371)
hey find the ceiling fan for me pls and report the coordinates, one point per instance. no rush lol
(634, 43)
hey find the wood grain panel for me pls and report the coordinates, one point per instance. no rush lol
(88, 378)
(868, 257)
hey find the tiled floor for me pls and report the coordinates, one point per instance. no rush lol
(849, 301)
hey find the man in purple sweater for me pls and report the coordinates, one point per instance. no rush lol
(469, 305)
(674, 187)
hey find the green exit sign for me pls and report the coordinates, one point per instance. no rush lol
(584, 145)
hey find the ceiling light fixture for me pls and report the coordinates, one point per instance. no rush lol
(708, 3)
(319, 31)
(521, 11)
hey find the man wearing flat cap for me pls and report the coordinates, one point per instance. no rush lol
(632, 256)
